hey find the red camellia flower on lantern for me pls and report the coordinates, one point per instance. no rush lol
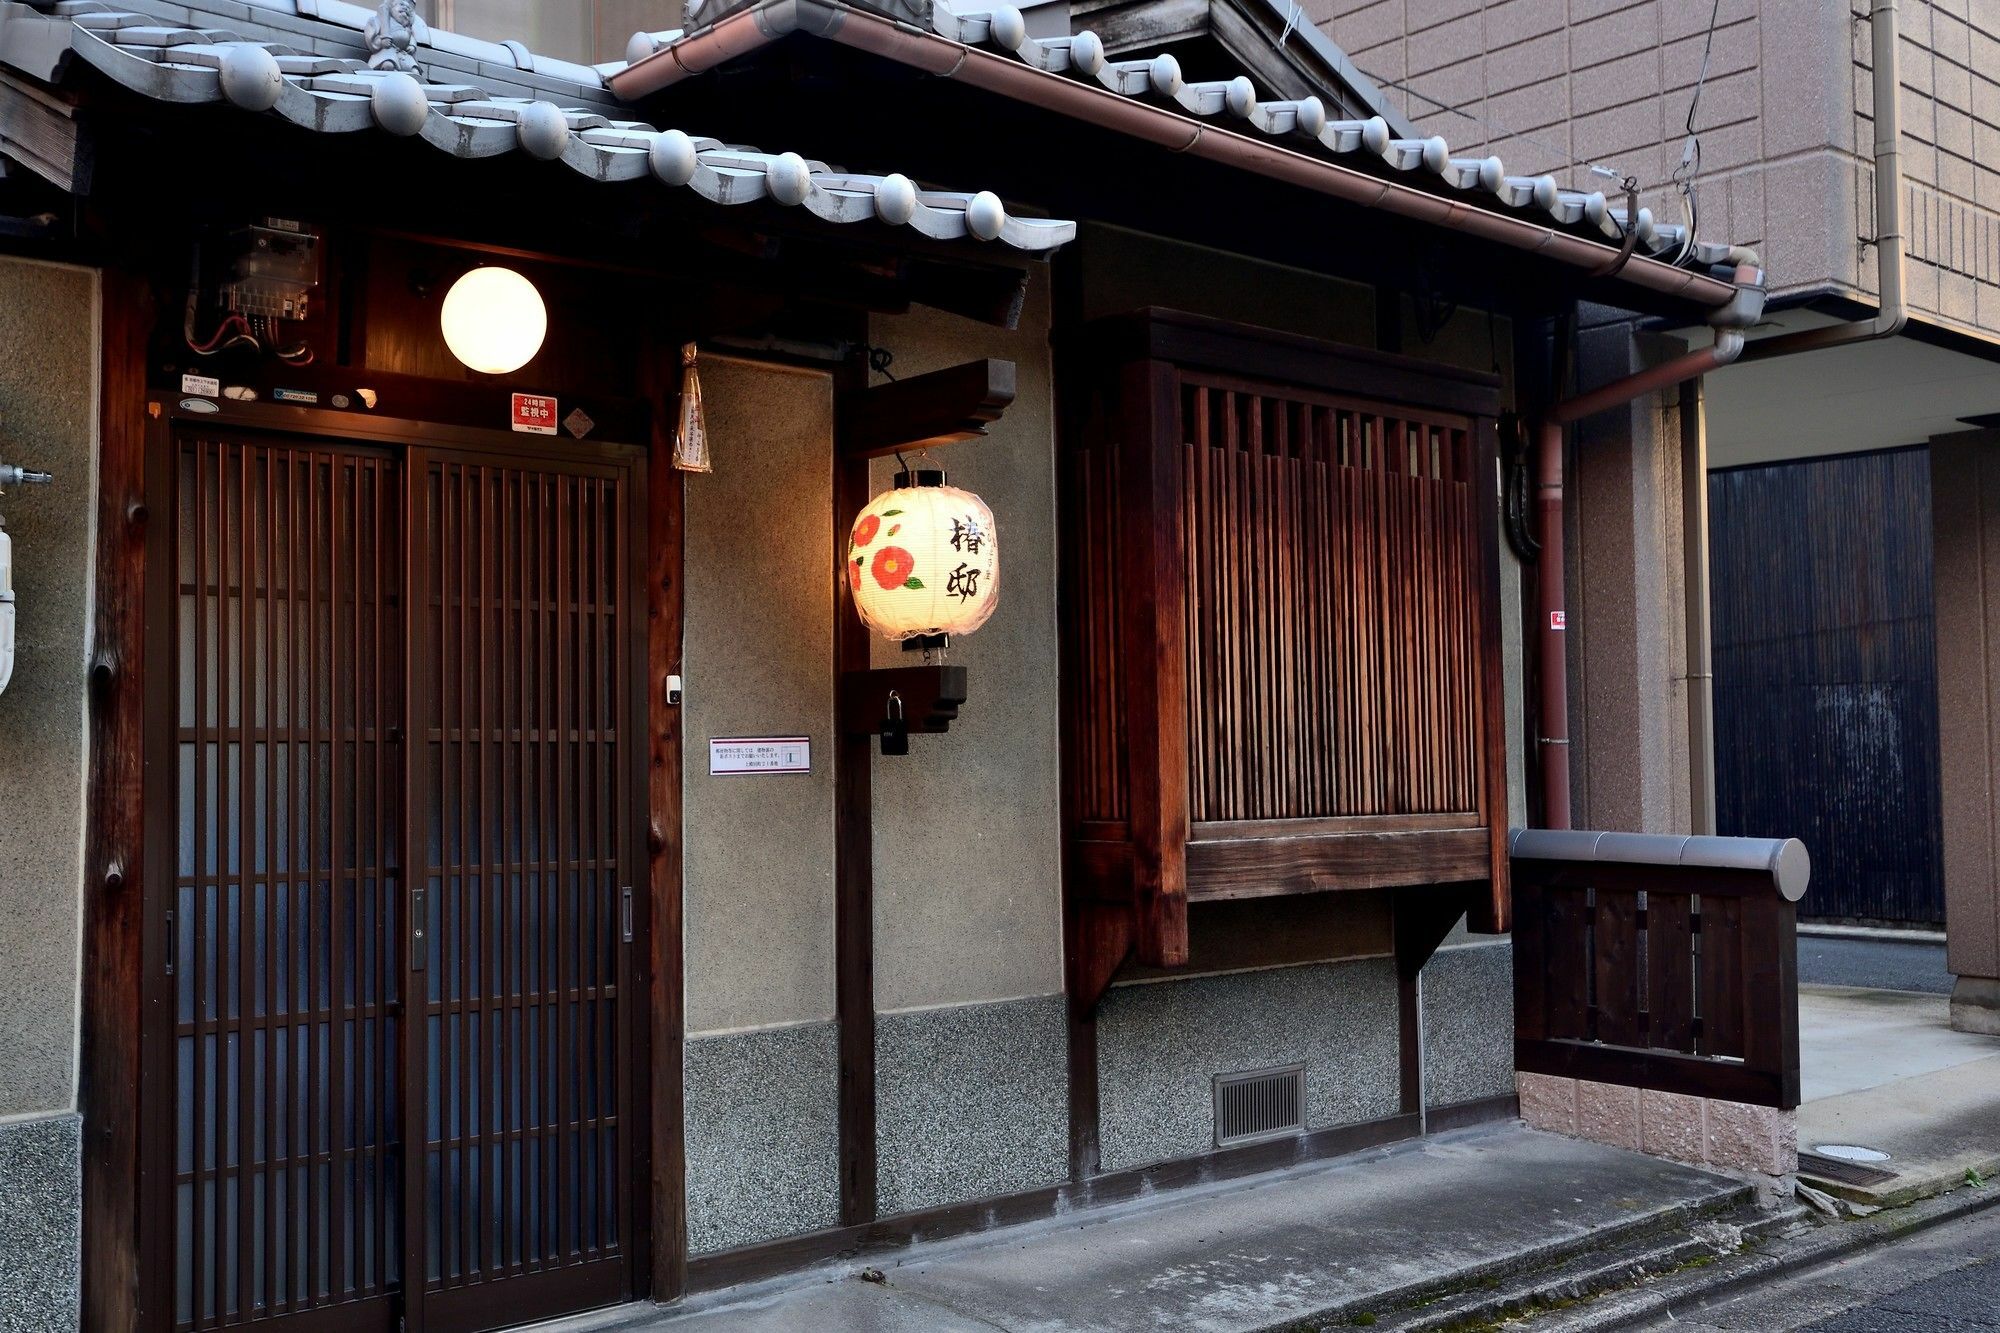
(854, 573)
(892, 566)
(864, 531)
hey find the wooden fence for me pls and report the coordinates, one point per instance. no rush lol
(1656, 961)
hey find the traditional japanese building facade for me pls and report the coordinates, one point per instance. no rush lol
(376, 749)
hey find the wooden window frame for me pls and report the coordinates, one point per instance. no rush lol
(1134, 855)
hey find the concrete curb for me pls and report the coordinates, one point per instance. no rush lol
(1889, 934)
(1671, 1296)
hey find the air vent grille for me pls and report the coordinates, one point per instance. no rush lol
(1259, 1104)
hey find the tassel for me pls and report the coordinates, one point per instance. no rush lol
(691, 432)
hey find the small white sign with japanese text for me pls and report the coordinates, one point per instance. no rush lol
(730, 756)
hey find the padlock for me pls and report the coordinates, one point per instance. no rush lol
(895, 727)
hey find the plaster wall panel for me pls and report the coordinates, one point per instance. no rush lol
(968, 890)
(48, 401)
(759, 662)
(1161, 1043)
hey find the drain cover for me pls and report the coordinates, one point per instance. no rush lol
(1819, 1166)
(1849, 1152)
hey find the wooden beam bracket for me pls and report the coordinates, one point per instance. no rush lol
(930, 698)
(943, 407)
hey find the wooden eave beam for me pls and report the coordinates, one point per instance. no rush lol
(943, 407)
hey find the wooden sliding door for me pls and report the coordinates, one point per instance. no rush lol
(393, 1007)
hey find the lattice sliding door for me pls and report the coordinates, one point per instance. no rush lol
(286, 973)
(387, 659)
(523, 779)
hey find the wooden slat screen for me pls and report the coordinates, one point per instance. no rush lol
(287, 1148)
(1094, 727)
(1332, 601)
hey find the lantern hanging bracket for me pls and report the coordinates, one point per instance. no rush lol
(896, 703)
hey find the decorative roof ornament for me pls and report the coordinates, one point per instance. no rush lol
(392, 36)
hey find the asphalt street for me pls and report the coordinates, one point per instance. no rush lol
(1945, 1280)
(1876, 964)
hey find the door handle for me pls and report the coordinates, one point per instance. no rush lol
(419, 919)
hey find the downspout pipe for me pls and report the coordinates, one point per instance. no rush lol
(1552, 634)
(1891, 257)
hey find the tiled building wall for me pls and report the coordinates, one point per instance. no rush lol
(1785, 120)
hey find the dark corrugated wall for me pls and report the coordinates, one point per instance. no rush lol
(1826, 677)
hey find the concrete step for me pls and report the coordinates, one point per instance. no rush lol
(1688, 1240)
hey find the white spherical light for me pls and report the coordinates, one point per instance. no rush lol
(924, 560)
(494, 320)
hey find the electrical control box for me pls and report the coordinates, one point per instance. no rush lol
(273, 270)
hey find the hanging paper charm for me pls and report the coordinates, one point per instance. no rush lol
(691, 430)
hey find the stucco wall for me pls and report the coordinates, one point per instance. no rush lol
(1785, 120)
(968, 894)
(759, 662)
(48, 396)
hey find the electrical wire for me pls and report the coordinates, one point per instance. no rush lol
(1690, 167)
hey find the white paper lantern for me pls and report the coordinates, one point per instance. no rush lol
(924, 560)
(494, 320)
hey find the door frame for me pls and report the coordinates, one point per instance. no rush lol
(129, 1226)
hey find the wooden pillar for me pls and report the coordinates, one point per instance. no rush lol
(667, 992)
(109, 1092)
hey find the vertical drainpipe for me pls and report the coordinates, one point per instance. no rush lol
(1695, 595)
(1554, 650)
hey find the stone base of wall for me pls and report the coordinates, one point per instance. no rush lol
(1160, 1045)
(41, 1223)
(1468, 998)
(1701, 1131)
(971, 1101)
(762, 1135)
(1975, 1006)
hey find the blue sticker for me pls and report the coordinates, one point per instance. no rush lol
(294, 395)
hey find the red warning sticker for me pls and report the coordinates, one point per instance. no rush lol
(1557, 619)
(535, 413)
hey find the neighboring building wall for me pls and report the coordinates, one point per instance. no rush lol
(1627, 619)
(762, 1061)
(48, 403)
(1785, 121)
(971, 1033)
(1965, 526)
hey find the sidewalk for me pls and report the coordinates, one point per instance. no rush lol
(1368, 1233)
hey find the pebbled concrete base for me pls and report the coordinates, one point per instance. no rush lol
(971, 1101)
(763, 1135)
(41, 1223)
(1160, 1045)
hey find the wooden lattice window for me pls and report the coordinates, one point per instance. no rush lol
(1280, 621)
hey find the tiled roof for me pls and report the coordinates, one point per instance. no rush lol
(306, 63)
(1300, 125)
